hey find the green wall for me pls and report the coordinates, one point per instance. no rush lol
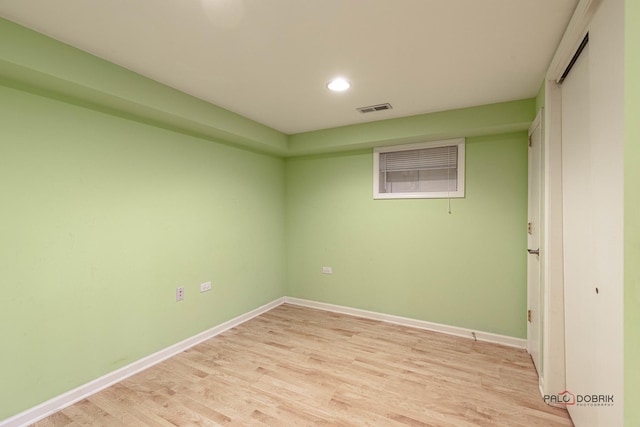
(632, 213)
(102, 218)
(410, 257)
(37, 63)
(482, 120)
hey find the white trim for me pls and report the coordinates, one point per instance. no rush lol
(60, 402)
(553, 360)
(538, 123)
(459, 193)
(573, 35)
(414, 323)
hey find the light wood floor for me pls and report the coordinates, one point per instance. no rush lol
(297, 366)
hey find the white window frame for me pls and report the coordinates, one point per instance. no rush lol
(459, 193)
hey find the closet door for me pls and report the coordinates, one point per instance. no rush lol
(578, 199)
(592, 173)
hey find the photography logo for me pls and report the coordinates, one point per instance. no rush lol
(566, 398)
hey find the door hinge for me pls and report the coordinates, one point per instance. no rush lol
(530, 141)
(530, 228)
(529, 315)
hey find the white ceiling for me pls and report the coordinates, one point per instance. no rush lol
(269, 60)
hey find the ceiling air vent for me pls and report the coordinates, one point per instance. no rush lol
(372, 108)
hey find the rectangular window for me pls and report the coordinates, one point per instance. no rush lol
(429, 170)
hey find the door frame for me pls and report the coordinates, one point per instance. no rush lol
(535, 301)
(552, 377)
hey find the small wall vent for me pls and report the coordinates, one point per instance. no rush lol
(373, 108)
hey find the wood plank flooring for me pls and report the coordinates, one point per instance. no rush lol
(296, 366)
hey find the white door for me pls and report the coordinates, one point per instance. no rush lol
(580, 305)
(592, 162)
(592, 116)
(534, 318)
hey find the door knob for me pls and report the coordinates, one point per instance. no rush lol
(534, 251)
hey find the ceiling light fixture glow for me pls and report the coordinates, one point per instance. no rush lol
(338, 85)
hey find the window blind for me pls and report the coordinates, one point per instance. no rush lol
(424, 170)
(421, 159)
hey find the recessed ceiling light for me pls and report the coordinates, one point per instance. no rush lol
(338, 85)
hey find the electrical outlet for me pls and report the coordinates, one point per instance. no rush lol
(204, 287)
(179, 293)
(327, 270)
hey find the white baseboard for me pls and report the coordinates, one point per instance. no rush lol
(60, 402)
(405, 321)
